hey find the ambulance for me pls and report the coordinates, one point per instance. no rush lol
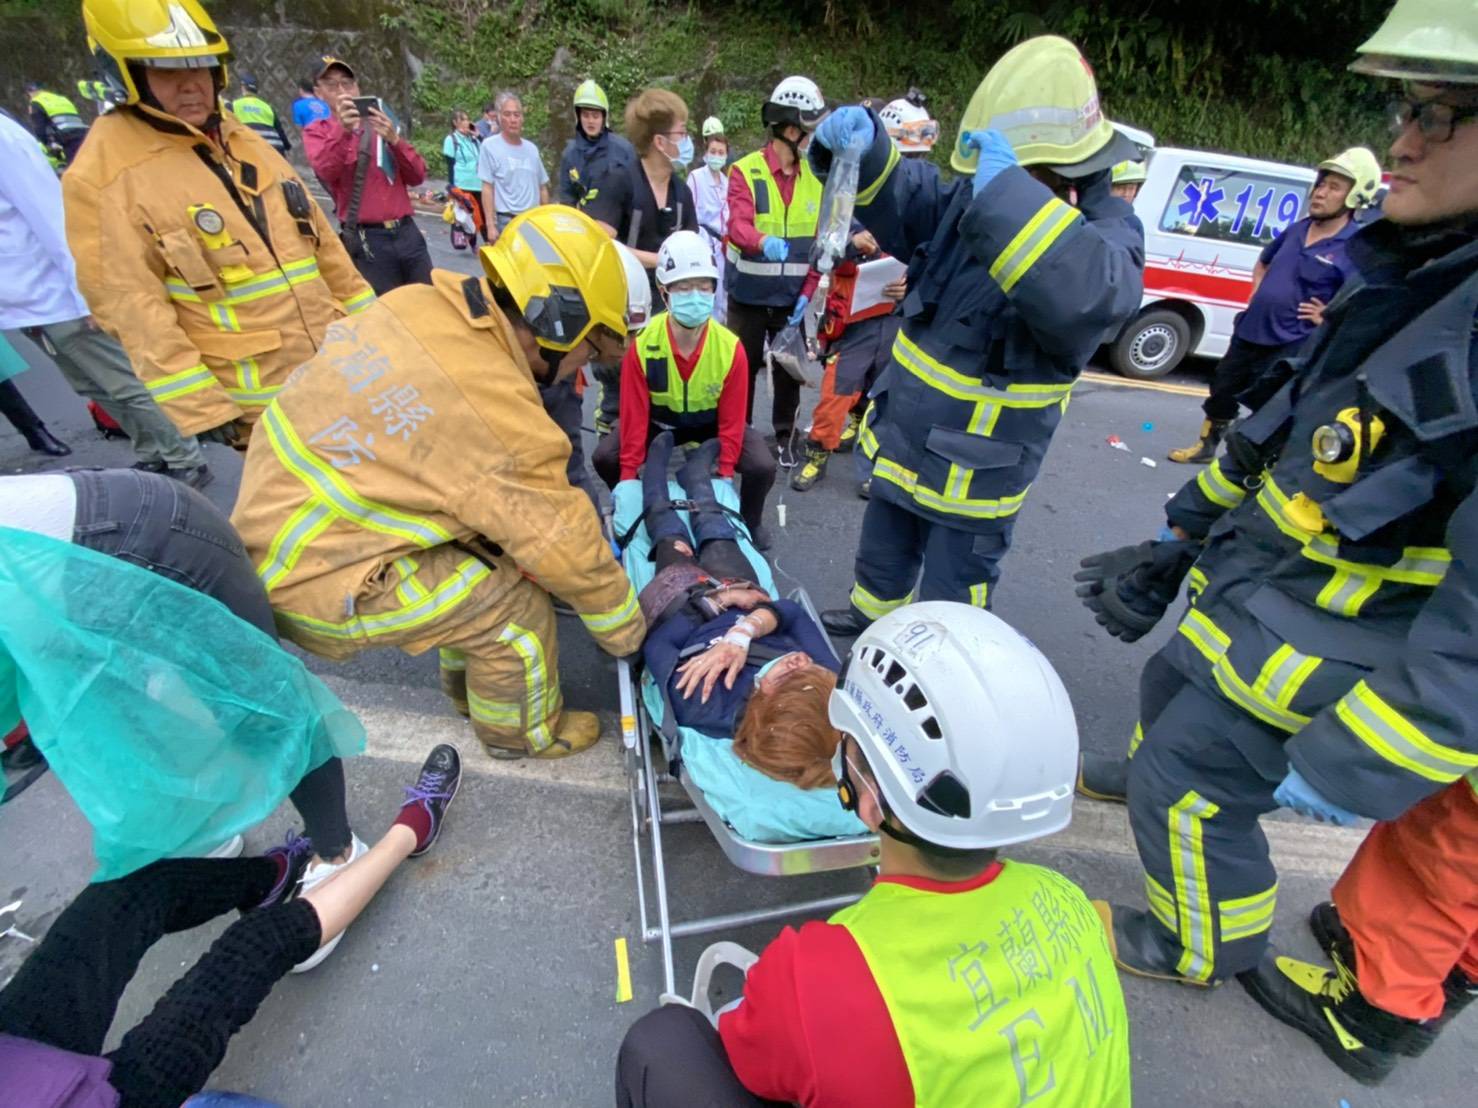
(1206, 219)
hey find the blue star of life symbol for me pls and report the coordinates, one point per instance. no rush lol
(1201, 202)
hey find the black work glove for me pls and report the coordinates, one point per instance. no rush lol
(1128, 589)
(227, 434)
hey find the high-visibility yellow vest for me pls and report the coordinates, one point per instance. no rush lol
(61, 111)
(753, 279)
(257, 114)
(1002, 995)
(694, 402)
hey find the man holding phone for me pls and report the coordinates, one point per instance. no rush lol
(368, 165)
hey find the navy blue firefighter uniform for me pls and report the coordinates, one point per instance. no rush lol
(1333, 623)
(1010, 293)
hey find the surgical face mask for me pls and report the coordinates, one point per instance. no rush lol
(684, 153)
(692, 308)
(767, 667)
(715, 162)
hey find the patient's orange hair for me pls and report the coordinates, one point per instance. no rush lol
(786, 734)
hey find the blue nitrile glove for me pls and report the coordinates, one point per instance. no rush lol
(774, 248)
(843, 126)
(798, 313)
(1303, 798)
(995, 154)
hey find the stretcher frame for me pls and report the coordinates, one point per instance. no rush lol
(650, 813)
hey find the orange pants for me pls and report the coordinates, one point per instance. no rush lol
(830, 416)
(1409, 898)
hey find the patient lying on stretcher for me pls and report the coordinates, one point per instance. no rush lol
(735, 662)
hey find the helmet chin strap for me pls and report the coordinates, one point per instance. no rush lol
(778, 133)
(552, 358)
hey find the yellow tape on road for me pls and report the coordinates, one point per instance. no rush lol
(1153, 386)
(623, 973)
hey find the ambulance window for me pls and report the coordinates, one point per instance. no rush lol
(1231, 205)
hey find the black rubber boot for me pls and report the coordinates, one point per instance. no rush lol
(1139, 945)
(1458, 992)
(844, 622)
(1103, 778)
(1204, 448)
(1326, 1005)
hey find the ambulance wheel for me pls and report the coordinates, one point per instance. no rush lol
(1152, 346)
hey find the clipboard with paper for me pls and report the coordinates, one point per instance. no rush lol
(872, 278)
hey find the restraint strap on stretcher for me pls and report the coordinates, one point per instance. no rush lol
(623, 540)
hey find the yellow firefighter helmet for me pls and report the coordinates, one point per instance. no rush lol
(164, 34)
(563, 272)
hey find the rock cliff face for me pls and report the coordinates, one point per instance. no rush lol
(275, 41)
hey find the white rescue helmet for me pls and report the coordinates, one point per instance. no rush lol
(909, 126)
(684, 255)
(795, 100)
(638, 290)
(964, 724)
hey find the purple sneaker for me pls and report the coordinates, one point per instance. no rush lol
(428, 799)
(292, 859)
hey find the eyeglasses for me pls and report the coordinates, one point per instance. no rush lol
(682, 132)
(1435, 120)
(337, 84)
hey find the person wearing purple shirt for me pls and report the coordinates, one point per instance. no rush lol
(1296, 276)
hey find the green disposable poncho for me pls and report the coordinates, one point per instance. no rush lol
(172, 723)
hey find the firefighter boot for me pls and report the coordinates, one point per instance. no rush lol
(849, 432)
(1103, 778)
(1204, 448)
(574, 732)
(845, 623)
(812, 470)
(1140, 946)
(1326, 1005)
(1457, 991)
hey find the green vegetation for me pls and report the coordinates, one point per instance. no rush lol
(1259, 77)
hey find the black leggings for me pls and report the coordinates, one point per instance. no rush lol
(66, 994)
(169, 528)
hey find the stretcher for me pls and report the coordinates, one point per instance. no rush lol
(653, 742)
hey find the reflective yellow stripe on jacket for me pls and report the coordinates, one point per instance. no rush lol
(1353, 583)
(1032, 241)
(1216, 488)
(1278, 681)
(258, 286)
(1372, 720)
(359, 301)
(175, 385)
(436, 602)
(333, 492)
(599, 623)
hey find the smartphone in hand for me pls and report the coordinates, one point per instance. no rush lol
(363, 104)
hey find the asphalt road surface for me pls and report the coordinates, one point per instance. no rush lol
(486, 973)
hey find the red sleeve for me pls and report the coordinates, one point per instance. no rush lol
(732, 405)
(636, 414)
(808, 286)
(813, 1027)
(409, 162)
(741, 214)
(331, 150)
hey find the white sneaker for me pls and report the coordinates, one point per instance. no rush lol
(231, 848)
(315, 875)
